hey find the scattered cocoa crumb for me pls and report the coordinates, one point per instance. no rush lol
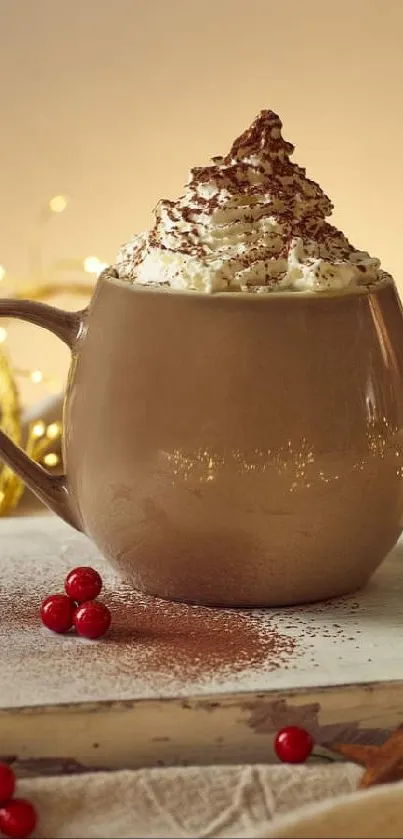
(194, 640)
(154, 647)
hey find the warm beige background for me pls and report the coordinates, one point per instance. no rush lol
(111, 101)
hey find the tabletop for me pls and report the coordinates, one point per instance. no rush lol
(335, 664)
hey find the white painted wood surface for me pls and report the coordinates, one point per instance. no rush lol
(108, 704)
(352, 640)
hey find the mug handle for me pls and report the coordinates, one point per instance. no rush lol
(52, 490)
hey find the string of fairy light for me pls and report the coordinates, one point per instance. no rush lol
(42, 437)
(38, 288)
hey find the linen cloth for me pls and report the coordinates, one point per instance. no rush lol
(216, 801)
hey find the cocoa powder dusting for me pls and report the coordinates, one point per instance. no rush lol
(194, 640)
(154, 647)
(166, 650)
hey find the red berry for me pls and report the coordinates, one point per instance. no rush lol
(293, 744)
(18, 818)
(92, 619)
(7, 782)
(83, 584)
(57, 612)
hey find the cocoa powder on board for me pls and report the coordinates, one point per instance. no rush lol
(154, 647)
(196, 640)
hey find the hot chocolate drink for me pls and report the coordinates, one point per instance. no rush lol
(234, 413)
(252, 221)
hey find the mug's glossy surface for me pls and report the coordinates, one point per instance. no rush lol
(236, 449)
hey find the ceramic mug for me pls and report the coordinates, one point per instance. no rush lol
(234, 449)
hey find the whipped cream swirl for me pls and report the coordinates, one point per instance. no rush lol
(252, 221)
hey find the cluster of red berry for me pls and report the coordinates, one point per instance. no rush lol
(78, 607)
(17, 816)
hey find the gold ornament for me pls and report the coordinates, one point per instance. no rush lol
(11, 487)
(43, 440)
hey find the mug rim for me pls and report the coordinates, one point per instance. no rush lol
(110, 276)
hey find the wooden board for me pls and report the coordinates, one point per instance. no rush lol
(176, 684)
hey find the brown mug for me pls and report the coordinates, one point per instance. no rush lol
(234, 449)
